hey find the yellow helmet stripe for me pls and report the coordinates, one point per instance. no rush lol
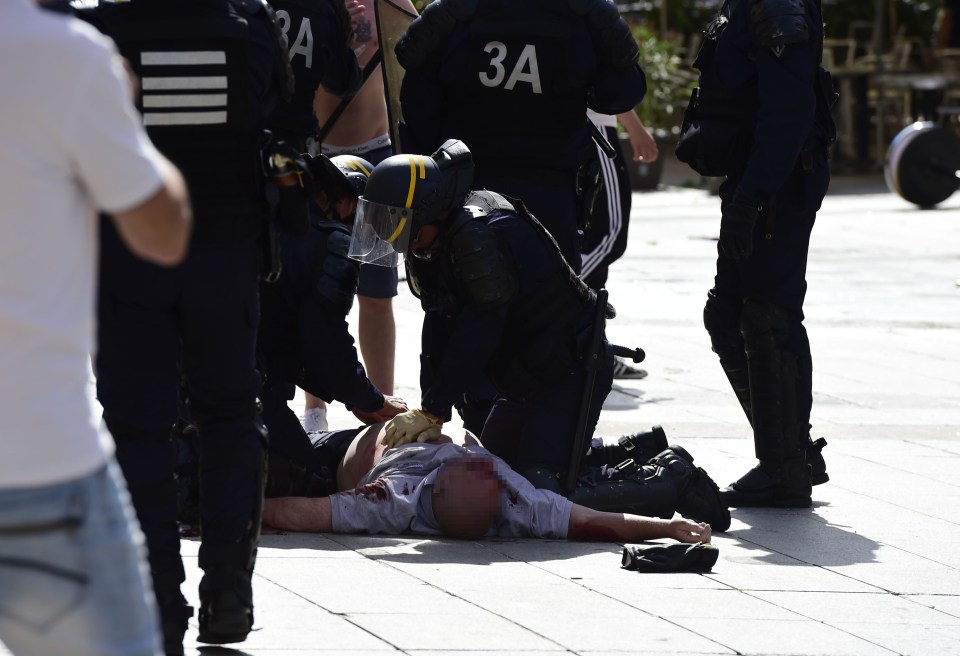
(396, 233)
(413, 177)
(355, 164)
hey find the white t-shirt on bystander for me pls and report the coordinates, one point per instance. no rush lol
(70, 140)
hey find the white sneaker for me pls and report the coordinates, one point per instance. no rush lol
(623, 370)
(315, 420)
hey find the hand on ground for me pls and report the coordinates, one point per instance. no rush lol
(683, 530)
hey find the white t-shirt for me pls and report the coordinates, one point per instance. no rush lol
(70, 140)
(394, 497)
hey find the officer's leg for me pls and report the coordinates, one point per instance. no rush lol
(721, 318)
(638, 447)
(220, 318)
(782, 477)
(666, 484)
(545, 425)
(137, 376)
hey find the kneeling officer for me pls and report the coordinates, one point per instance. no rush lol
(500, 304)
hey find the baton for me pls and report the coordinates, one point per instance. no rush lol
(593, 362)
(601, 140)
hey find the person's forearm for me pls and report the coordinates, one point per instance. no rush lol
(312, 515)
(588, 524)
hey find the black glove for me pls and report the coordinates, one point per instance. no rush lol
(736, 226)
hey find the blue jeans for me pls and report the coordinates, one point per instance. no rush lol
(73, 576)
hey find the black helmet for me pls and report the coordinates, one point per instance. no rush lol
(343, 176)
(355, 169)
(404, 193)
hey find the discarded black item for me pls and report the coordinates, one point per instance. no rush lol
(670, 558)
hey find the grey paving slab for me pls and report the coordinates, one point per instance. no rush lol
(753, 636)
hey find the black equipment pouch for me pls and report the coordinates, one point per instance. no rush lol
(712, 143)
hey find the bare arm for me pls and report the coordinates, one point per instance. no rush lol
(158, 230)
(644, 147)
(589, 524)
(307, 515)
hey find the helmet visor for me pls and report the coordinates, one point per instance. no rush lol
(381, 233)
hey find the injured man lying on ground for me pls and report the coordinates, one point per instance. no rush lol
(456, 488)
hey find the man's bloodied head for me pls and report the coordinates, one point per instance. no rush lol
(466, 496)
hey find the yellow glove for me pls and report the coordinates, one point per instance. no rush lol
(409, 426)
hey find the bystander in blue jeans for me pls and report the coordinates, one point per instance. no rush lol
(73, 576)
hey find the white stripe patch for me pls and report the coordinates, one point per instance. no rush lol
(193, 58)
(172, 101)
(171, 83)
(184, 118)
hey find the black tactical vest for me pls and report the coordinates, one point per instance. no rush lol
(518, 68)
(196, 105)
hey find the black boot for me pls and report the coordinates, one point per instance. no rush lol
(638, 447)
(226, 593)
(698, 497)
(784, 484)
(780, 435)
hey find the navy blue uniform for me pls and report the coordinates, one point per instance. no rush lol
(318, 47)
(522, 326)
(210, 73)
(305, 340)
(761, 112)
(513, 80)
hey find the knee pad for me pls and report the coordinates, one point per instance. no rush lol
(721, 318)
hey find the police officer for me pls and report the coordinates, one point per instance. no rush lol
(304, 337)
(319, 46)
(761, 117)
(211, 71)
(499, 300)
(498, 73)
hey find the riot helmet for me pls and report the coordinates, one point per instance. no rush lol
(337, 180)
(405, 193)
(355, 172)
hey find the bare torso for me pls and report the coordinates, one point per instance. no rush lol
(367, 449)
(366, 116)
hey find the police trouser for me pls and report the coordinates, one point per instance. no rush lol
(754, 315)
(197, 324)
(539, 429)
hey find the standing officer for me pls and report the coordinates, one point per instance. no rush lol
(761, 117)
(498, 73)
(210, 71)
(500, 300)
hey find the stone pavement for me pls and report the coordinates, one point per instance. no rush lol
(872, 568)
